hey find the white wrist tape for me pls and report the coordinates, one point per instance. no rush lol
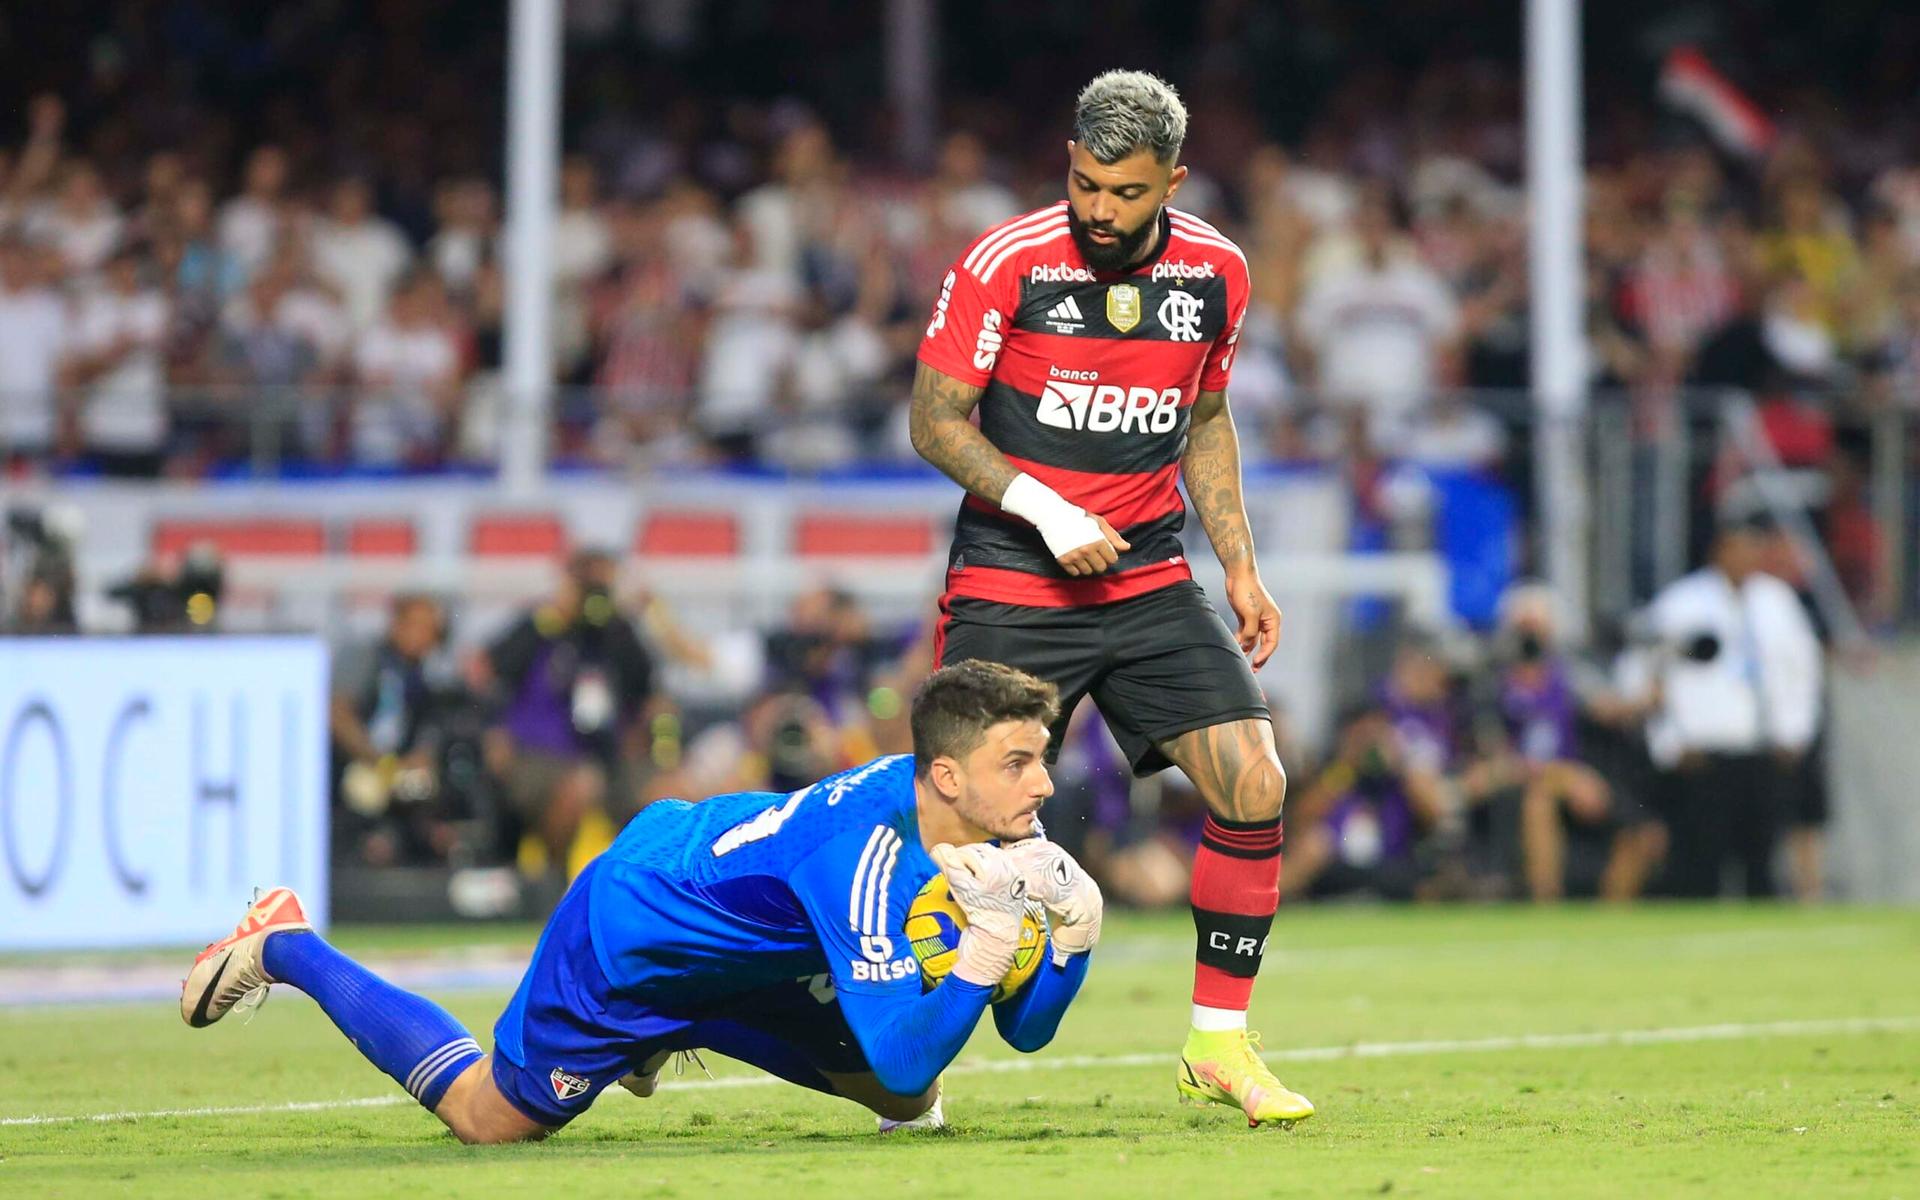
(1063, 525)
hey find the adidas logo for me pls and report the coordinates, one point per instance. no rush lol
(1065, 316)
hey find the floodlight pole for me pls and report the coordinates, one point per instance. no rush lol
(1557, 299)
(533, 165)
(912, 61)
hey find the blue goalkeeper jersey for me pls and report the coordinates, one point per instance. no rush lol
(694, 903)
(700, 901)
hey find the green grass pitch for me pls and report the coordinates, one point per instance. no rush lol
(1768, 1051)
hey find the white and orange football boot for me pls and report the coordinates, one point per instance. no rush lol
(230, 971)
(1224, 1068)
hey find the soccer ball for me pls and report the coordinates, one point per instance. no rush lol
(934, 925)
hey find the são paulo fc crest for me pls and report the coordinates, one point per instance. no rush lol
(567, 1086)
(1123, 307)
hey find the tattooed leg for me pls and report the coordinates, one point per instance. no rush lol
(1235, 767)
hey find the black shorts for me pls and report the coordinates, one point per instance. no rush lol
(1157, 665)
(1807, 788)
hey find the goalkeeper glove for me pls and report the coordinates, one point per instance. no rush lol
(992, 892)
(1070, 896)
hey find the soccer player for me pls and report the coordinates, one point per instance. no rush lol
(763, 926)
(1095, 336)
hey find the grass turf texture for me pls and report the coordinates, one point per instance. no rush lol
(1828, 1114)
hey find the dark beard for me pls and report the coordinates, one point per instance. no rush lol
(1123, 252)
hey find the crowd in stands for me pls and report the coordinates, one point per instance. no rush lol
(748, 279)
(257, 238)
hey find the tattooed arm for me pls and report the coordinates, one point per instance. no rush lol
(944, 435)
(1082, 542)
(1211, 469)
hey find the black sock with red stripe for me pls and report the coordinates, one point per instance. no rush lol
(1236, 890)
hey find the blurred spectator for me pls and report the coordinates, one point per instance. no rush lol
(359, 253)
(281, 331)
(750, 344)
(582, 252)
(410, 368)
(117, 370)
(202, 270)
(1739, 675)
(34, 330)
(1378, 325)
(1809, 244)
(45, 605)
(572, 679)
(468, 234)
(254, 223)
(1681, 290)
(81, 224)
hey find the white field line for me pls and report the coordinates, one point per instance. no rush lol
(1762, 1030)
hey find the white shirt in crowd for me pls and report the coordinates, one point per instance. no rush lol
(363, 261)
(125, 409)
(83, 239)
(33, 335)
(248, 230)
(582, 246)
(301, 315)
(1760, 692)
(405, 369)
(750, 346)
(1376, 333)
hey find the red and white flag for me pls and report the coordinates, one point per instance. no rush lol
(1690, 83)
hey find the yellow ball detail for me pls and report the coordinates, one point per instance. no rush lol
(934, 925)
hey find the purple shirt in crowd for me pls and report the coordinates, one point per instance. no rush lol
(1539, 712)
(1425, 730)
(540, 715)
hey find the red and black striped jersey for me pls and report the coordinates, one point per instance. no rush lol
(1089, 377)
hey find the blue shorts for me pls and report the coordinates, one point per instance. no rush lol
(567, 1035)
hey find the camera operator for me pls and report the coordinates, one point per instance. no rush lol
(44, 587)
(385, 752)
(571, 677)
(182, 598)
(1738, 673)
(1363, 817)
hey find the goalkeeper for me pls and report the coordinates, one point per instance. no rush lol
(762, 926)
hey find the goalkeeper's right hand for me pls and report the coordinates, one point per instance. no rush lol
(992, 890)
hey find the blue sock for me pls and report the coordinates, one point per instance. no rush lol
(409, 1037)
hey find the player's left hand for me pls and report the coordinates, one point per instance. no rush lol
(1062, 887)
(1259, 632)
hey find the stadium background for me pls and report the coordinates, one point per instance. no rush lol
(257, 384)
(254, 308)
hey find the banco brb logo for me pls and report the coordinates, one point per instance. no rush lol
(1107, 408)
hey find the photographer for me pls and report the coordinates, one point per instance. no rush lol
(1538, 724)
(1738, 673)
(385, 752)
(182, 598)
(1356, 828)
(571, 677)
